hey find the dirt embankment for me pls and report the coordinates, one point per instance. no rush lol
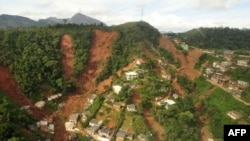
(9, 85)
(68, 55)
(99, 52)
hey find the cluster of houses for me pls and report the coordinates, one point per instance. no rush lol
(216, 74)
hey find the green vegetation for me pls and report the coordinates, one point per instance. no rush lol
(12, 120)
(139, 125)
(34, 56)
(166, 54)
(240, 73)
(205, 57)
(223, 38)
(246, 95)
(133, 37)
(186, 84)
(217, 105)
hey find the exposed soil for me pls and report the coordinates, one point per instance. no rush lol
(68, 55)
(187, 62)
(9, 85)
(99, 52)
(203, 121)
(154, 125)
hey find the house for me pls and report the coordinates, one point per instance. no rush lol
(242, 84)
(121, 135)
(86, 106)
(70, 126)
(50, 98)
(234, 114)
(131, 75)
(105, 132)
(95, 122)
(117, 89)
(244, 63)
(43, 124)
(51, 128)
(40, 104)
(225, 65)
(92, 130)
(142, 137)
(118, 105)
(92, 98)
(216, 77)
(26, 108)
(169, 102)
(131, 108)
(175, 96)
(110, 98)
(85, 115)
(74, 118)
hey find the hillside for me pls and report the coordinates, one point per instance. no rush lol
(216, 38)
(160, 92)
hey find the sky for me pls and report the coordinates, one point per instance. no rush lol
(165, 15)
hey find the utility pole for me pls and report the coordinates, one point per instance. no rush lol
(141, 14)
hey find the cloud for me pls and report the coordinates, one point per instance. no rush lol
(215, 4)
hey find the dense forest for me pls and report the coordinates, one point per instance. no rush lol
(217, 38)
(13, 120)
(34, 56)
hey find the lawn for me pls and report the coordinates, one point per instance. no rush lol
(127, 123)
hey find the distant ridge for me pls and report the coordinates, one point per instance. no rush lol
(13, 21)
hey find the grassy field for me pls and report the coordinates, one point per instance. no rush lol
(216, 107)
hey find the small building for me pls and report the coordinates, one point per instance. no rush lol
(105, 132)
(92, 130)
(118, 105)
(40, 104)
(95, 122)
(131, 75)
(70, 126)
(50, 98)
(234, 114)
(175, 96)
(169, 102)
(117, 88)
(242, 84)
(121, 135)
(74, 118)
(43, 125)
(244, 63)
(51, 128)
(131, 108)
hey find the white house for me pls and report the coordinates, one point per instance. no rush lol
(95, 122)
(40, 104)
(131, 108)
(69, 126)
(169, 102)
(234, 114)
(117, 88)
(244, 63)
(92, 98)
(54, 96)
(131, 75)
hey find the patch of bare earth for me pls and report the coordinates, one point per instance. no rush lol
(154, 125)
(9, 85)
(99, 52)
(68, 55)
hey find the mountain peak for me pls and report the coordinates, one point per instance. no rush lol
(80, 18)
